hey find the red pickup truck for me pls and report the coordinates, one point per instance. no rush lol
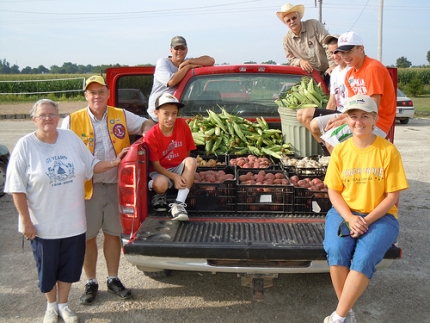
(257, 245)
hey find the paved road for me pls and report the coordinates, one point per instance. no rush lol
(397, 294)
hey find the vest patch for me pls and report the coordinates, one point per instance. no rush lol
(119, 131)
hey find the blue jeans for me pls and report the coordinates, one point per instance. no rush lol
(361, 254)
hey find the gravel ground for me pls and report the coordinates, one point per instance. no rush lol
(397, 294)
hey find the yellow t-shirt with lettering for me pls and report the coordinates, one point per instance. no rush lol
(365, 176)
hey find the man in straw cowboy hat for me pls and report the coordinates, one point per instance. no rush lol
(303, 43)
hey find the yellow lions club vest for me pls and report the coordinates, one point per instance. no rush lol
(80, 123)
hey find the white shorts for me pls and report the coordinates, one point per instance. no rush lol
(323, 120)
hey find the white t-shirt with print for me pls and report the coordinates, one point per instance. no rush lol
(52, 177)
(338, 88)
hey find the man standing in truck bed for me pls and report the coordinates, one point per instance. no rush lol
(171, 70)
(105, 131)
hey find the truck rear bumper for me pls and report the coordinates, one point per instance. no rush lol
(250, 246)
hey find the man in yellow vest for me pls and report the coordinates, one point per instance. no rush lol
(105, 131)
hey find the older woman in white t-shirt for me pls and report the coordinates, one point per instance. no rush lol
(46, 177)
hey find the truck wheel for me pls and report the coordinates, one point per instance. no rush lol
(2, 177)
(404, 121)
(158, 274)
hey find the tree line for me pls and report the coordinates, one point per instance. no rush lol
(70, 68)
(66, 68)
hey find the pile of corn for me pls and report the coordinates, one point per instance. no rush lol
(226, 133)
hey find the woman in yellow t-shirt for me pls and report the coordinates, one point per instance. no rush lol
(365, 176)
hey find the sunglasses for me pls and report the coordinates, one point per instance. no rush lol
(179, 48)
(291, 19)
(344, 230)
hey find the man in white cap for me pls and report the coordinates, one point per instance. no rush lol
(171, 70)
(366, 76)
(105, 131)
(303, 43)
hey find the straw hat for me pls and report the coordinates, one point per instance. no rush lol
(289, 8)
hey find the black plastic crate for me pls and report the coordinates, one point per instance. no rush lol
(302, 172)
(213, 196)
(267, 198)
(307, 201)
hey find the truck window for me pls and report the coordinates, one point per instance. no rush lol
(133, 93)
(247, 95)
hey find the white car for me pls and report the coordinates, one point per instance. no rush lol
(405, 108)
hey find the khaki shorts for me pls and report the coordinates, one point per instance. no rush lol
(102, 211)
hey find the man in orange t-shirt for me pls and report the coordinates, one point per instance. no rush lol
(366, 76)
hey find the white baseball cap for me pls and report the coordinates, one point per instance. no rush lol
(167, 98)
(347, 41)
(361, 102)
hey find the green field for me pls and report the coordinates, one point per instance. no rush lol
(421, 103)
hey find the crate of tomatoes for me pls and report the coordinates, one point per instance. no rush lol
(263, 191)
(310, 195)
(213, 190)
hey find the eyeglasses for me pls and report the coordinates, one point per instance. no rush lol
(95, 93)
(291, 19)
(179, 48)
(344, 230)
(44, 116)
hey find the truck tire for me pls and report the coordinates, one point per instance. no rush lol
(404, 121)
(2, 178)
(157, 274)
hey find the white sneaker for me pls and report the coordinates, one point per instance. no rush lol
(51, 316)
(68, 315)
(350, 318)
(329, 319)
(178, 211)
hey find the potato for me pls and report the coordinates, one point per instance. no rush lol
(279, 175)
(269, 176)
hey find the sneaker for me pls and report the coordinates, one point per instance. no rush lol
(329, 319)
(159, 202)
(89, 296)
(51, 316)
(115, 286)
(350, 318)
(68, 315)
(178, 211)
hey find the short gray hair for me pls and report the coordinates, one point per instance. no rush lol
(39, 103)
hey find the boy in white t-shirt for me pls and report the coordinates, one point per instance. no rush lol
(316, 119)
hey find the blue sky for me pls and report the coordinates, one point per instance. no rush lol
(132, 32)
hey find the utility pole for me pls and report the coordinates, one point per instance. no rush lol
(381, 9)
(319, 9)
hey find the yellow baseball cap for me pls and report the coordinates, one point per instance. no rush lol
(95, 79)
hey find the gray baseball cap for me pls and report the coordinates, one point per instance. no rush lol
(178, 41)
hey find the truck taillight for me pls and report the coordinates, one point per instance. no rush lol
(127, 189)
(127, 175)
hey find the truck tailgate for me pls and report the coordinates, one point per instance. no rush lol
(271, 238)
